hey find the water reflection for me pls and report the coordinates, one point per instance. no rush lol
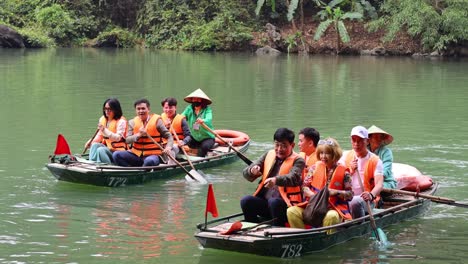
(144, 226)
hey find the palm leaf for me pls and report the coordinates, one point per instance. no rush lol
(292, 8)
(273, 5)
(343, 32)
(335, 3)
(322, 27)
(259, 6)
(351, 15)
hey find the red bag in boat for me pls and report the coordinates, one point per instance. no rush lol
(414, 183)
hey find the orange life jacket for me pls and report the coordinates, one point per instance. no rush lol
(336, 182)
(112, 126)
(369, 169)
(310, 160)
(176, 125)
(144, 146)
(291, 195)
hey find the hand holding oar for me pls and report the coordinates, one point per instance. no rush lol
(176, 161)
(195, 173)
(90, 142)
(379, 234)
(239, 154)
(436, 199)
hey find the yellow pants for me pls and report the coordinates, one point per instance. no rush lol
(294, 214)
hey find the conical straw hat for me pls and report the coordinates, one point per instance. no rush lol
(197, 94)
(376, 130)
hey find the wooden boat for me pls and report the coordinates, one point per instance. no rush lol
(77, 169)
(284, 242)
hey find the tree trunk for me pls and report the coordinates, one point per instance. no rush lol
(338, 39)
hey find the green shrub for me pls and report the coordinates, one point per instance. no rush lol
(122, 38)
(36, 38)
(437, 24)
(221, 33)
(56, 21)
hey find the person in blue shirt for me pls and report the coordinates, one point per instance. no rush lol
(378, 141)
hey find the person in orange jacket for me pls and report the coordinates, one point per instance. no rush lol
(368, 167)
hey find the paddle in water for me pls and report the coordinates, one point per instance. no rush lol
(196, 174)
(200, 179)
(379, 233)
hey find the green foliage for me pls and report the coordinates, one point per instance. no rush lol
(322, 27)
(36, 38)
(362, 7)
(56, 21)
(437, 24)
(294, 40)
(260, 4)
(333, 15)
(222, 33)
(211, 25)
(123, 38)
(343, 32)
(292, 8)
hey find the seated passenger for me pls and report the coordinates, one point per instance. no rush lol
(378, 141)
(308, 140)
(112, 128)
(175, 123)
(199, 112)
(326, 170)
(280, 186)
(366, 165)
(143, 151)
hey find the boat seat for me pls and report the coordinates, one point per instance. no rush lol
(215, 145)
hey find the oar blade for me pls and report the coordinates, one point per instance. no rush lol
(198, 177)
(382, 236)
(189, 179)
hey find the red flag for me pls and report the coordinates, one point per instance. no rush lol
(211, 202)
(62, 146)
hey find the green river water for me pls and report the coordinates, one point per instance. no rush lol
(422, 102)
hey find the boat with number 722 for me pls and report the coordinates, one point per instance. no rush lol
(78, 169)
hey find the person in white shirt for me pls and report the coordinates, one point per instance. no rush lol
(366, 165)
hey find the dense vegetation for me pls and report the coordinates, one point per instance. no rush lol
(226, 24)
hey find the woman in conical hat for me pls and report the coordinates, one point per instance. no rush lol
(378, 141)
(197, 113)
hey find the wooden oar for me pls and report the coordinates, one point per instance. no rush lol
(379, 234)
(196, 174)
(90, 142)
(436, 199)
(202, 180)
(239, 154)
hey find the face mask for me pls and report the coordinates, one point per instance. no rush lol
(196, 104)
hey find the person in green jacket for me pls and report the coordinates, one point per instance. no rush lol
(197, 113)
(378, 141)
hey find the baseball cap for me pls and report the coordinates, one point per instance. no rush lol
(359, 131)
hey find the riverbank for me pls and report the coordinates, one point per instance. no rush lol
(362, 42)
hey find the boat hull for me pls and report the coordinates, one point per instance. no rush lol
(112, 176)
(292, 242)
